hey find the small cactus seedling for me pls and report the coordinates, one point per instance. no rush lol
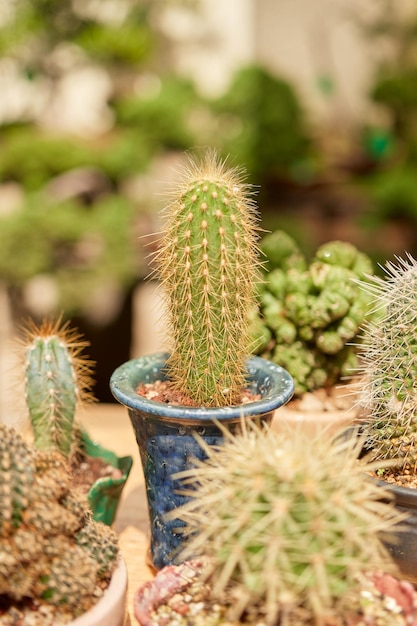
(389, 363)
(57, 378)
(53, 557)
(208, 264)
(287, 524)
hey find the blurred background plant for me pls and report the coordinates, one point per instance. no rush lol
(99, 110)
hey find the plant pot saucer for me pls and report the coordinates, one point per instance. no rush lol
(177, 596)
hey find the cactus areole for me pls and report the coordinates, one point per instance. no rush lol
(208, 264)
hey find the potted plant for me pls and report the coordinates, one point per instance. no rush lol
(387, 391)
(58, 379)
(208, 264)
(56, 562)
(282, 529)
(309, 320)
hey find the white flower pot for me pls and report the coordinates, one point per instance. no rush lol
(110, 610)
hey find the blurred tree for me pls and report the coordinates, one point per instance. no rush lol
(263, 125)
(393, 27)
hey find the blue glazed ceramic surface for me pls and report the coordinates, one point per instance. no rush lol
(166, 435)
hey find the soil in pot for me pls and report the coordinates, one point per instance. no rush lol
(86, 470)
(164, 391)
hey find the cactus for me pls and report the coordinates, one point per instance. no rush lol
(57, 379)
(313, 312)
(51, 552)
(286, 524)
(208, 264)
(388, 355)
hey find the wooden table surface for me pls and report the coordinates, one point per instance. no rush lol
(110, 425)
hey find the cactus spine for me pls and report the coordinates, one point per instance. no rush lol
(389, 357)
(287, 523)
(51, 552)
(208, 264)
(57, 378)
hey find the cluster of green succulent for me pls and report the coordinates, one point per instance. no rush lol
(311, 313)
(388, 355)
(288, 525)
(51, 551)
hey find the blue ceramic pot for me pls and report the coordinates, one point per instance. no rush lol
(165, 435)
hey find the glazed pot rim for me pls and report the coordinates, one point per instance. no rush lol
(279, 388)
(404, 496)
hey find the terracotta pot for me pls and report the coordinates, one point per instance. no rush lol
(166, 435)
(110, 610)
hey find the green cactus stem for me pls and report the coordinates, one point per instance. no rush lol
(57, 379)
(208, 263)
(287, 524)
(389, 363)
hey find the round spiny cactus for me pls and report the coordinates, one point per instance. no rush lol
(389, 363)
(285, 522)
(17, 474)
(50, 548)
(57, 378)
(208, 263)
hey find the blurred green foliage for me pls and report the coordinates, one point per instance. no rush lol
(32, 158)
(35, 30)
(92, 237)
(163, 116)
(263, 125)
(80, 247)
(394, 29)
(393, 193)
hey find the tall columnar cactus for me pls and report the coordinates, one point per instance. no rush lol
(286, 523)
(389, 356)
(51, 552)
(208, 263)
(57, 378)
(311, 313)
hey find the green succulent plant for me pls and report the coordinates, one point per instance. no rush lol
(57, 379)
(388, 353)
(51, 552)
(311, 313)
(286, 524)
(208, 264)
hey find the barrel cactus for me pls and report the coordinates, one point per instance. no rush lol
(288, 527)
(57, 379)
(388, 386)
(53, 557)
(311, 313)
(208, 264)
